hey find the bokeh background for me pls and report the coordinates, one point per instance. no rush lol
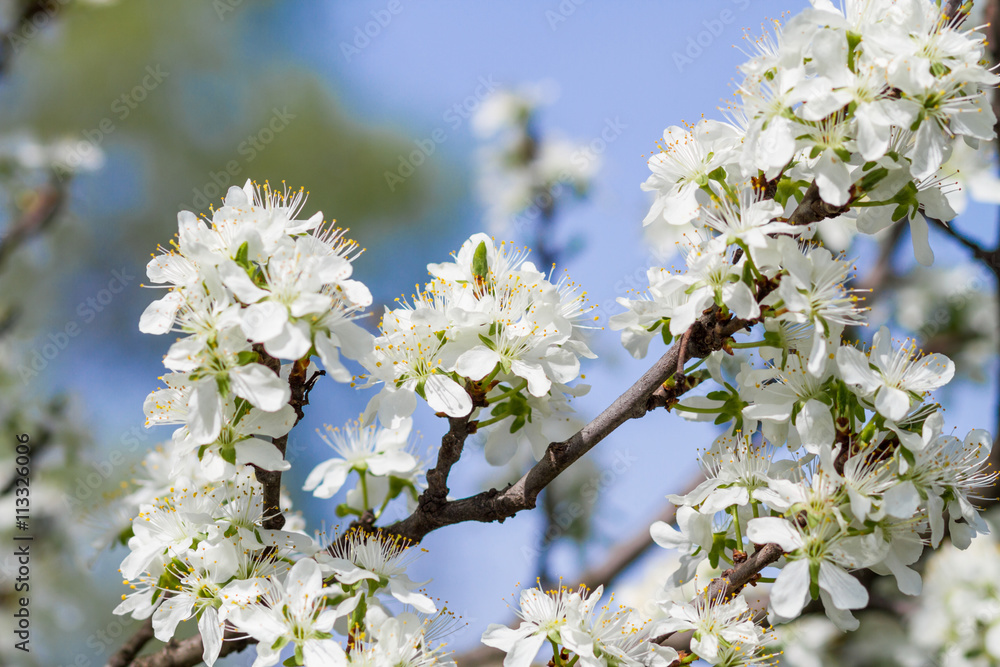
(155, 106)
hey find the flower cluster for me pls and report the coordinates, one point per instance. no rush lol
(256, 294)
(202, 553)
(843, 113)
(571, 622)
(489, 331)
(258, 284)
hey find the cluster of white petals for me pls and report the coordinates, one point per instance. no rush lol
(490, 331)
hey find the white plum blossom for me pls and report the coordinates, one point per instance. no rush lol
(893, 377)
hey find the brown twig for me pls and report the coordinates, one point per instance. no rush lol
(452, 443)
(732, 581)
(131, 648)
(494, 505)
(271, 479)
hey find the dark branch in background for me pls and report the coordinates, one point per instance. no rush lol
(42, 212)
(127, 653)
(29, 11)
(188, 652)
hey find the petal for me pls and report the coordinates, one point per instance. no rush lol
(706, 648)
(901, 500)
(415, 599)
(919, 232)
(477, 363)
(523, 652)
(235, 278)
(845, 591)
(260, 453)
(322, 652)
(204, 413)
(332, 473)
(791, 589)
(158, 317)
(854, 369)
(815, 426)
(172, 611)
(892, 403)
(538, 383)
(264, 320)
(261, 386)
(774, 530)
(211, 635)
(292, 342)
(445, 395)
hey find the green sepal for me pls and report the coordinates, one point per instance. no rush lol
(480, 266)
(243, 255)
(814, 579)
(853, 39)
(488, 342)
(228, 453)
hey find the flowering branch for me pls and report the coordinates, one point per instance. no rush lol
(726, 586)
(494, 505)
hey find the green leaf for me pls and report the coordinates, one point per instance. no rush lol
(243, 255)
(480, 266)
(853, 39)
(247, 356)
(488, 342)
(665, 332)
(343, 509)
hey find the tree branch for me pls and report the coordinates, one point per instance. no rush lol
(47, 202)
(271, 479)
(732, 581)
(708, 335)
(452, 443)
(988, 257)
(188, 652)
(125, 655)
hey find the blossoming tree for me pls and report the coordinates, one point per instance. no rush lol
(834, 457)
